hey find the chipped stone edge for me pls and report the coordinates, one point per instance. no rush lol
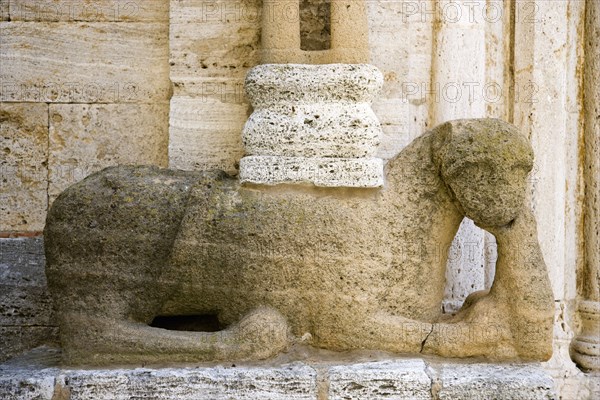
(53, 383)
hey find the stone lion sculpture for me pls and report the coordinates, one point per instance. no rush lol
(340, 268)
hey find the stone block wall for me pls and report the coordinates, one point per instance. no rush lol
(84, 85)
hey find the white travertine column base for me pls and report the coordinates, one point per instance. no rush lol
(326, 172)
(312, 124)
(586, 346)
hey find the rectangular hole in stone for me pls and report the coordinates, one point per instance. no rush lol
(194, 323)
(315, 25)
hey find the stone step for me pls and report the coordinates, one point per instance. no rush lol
(38, 376)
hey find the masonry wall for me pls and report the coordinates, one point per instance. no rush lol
(160, 82)
(83, 85)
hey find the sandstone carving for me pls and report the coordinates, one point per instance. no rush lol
(336, 268)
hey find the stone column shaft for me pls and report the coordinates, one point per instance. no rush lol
(459, 74)
(586, 346)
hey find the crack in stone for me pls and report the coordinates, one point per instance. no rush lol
(425, 340)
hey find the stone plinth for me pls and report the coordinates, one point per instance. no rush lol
(586, 346)
(342, 172)
(37, 376)
(312, 124)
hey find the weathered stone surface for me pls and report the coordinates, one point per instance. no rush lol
(591, 279)
(4, 16)
(400, 43)
(313, 130)
(210, 59)
(205, 134)
(15, 340)
(457, 151)
(27, 384)
(37, 375)
(26, 314)
(285, 382)
(460, 59)
(325, 172)
(96, 11)
(466, 271)
(312, 124)
(281, 84)
(212, 46)
(99, 63)
(465, 80)
(24, 299)
(23, 166)
(488, 381)
(315, 24)
(547, 80)
(212, 42)
(586, 345)
(87, 138)
(389, 379)
(278, 262)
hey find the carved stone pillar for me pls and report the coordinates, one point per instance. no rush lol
(312, 120)
(586, 346)
(281, 34)
(459, 74)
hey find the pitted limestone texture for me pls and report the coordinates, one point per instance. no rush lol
(312, 124)
(313, 130)
(274, 84)
(331, 172)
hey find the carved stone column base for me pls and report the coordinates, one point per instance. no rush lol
(330, 172)
(586, 346)
(312, 124)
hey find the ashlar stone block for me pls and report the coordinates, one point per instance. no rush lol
(493, 381)
(205, 134)
(293, 382)
(23, 166)
(87, 138)
(404, 379)
(96, 11)
(84, 62)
